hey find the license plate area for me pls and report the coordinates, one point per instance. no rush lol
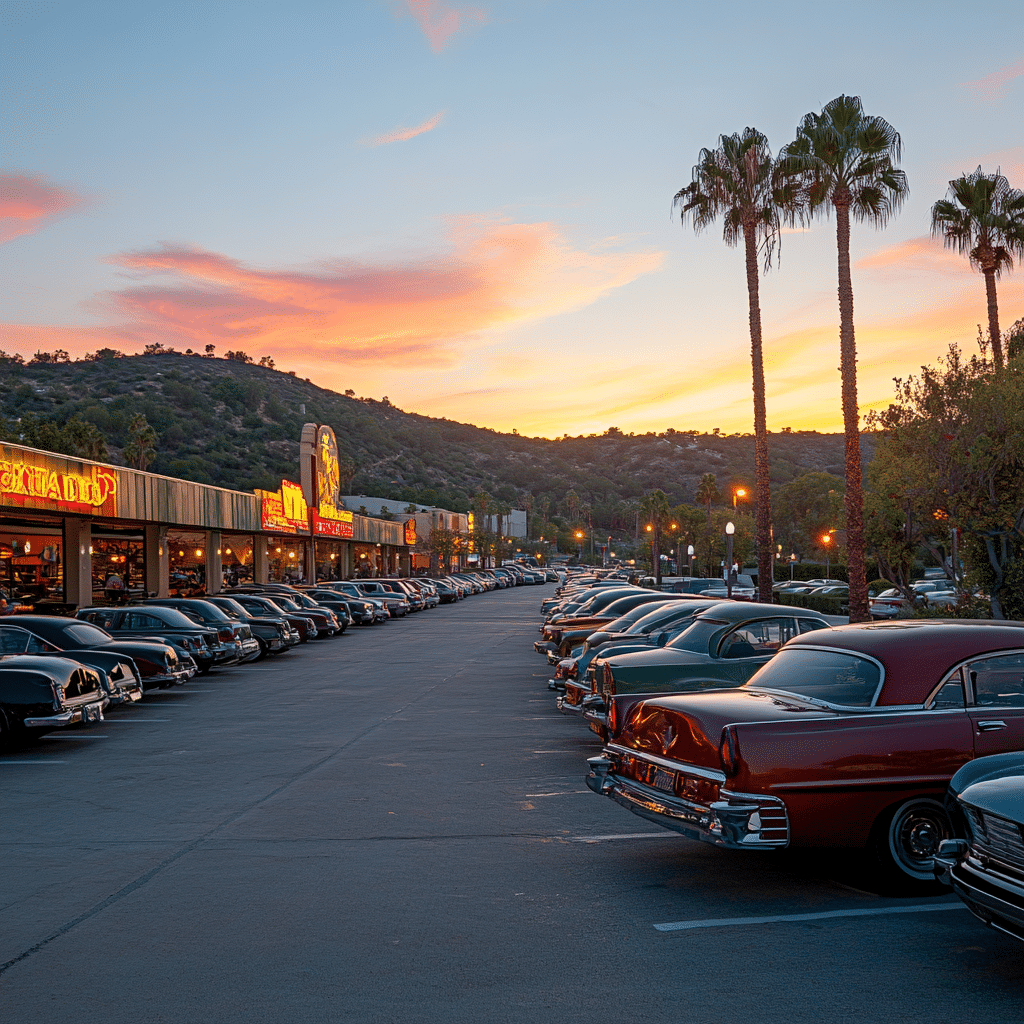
(663, 780)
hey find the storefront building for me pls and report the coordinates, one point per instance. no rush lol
(75, 533)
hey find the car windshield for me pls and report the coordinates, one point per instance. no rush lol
(663, 616)
(831, 676)
(284, 602)
(81, 634)
(231, 607)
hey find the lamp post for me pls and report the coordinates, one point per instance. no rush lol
(738, 492)
(579, 545)
(792, 562)
(689, 558)
(826, 540)
(730, 530)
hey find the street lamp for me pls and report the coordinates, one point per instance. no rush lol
(689, 558)
(579, 545)
(738, 492)
(730, 530)
(826, 540)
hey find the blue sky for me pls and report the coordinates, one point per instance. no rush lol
(468, 207)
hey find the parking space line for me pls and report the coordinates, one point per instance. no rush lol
(120, 721)
(39, 761)
(626, 835)
(564, 792)
(83, 736)
(725, 922)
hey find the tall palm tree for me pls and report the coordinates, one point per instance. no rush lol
(846, 160)
(983, 217)
(738, 182)
(707, 492)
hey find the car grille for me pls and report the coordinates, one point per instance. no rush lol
(997, 838)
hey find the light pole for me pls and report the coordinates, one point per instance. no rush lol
(689, 559)
(579, 545)
(826, 540)
(792, 562)
(738, 492)
(730, 530)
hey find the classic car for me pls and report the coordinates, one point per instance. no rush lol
(258, 602)
(848, 737)
(39, 694)
(985, 801)
(396, 604)
(161, 664)
(169, 626)
(120, 676)
(273, 634)
(723, 646)
(229, 631)
(292, 600)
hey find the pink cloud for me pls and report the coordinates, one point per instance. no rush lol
(922, 253)
(400, 313)
(404, 134)
(992, 87)
(439, 22)
(28, 201)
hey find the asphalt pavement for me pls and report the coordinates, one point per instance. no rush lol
(393, 827)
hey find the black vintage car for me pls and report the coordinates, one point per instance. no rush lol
(166, 624)
(263, 605)
(121, 678)
(229, 631)
(986, 804)
(272, 633)
(39, 694)
(161, 664)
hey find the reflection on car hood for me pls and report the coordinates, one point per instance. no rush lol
(1002, 796)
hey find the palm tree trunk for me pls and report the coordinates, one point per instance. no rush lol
(993, 315)
(851, 420)
(763, 508)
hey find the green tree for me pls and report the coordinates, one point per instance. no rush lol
(656, 514)
(949, 471)
(982, 217)
(739, 182)
(844, 160)
(140, 451)
(77, 437)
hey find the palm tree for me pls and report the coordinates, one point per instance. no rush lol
(739, 182)
(983, 217)
(654, 508)
(845, 159)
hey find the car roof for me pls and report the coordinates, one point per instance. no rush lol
(916, 649)
(741, 611)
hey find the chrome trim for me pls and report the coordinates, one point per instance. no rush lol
(617, 750)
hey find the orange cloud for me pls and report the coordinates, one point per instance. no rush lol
(993, 87)
(440, 22)
(425, 313)
(28, 201)
(404, 134)
(922, 253)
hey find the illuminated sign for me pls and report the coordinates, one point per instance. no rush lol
(410, 532)
(329, 519)
(82, 492)
(284, 511)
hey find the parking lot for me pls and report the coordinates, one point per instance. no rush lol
(393, 826)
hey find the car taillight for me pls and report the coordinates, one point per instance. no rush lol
(729, 750)
(613, 719)
(226, 634)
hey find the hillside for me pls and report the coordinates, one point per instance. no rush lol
(237, 425)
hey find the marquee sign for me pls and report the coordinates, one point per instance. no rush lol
(284, 511)
(25, 484)
(410, 532)
(329, 519)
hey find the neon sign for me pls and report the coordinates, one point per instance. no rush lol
(78, 491)
(284, 511)
(328, 519)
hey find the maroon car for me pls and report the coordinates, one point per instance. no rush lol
(848, 737)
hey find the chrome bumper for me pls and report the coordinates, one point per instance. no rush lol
(993, 898)
(734, 822)
(177, 675)
(92, 712)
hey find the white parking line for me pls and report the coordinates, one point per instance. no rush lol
(725, 922)
(83, 736)
(628, 835)
(121, 721)
(564, 792)
(40, 761)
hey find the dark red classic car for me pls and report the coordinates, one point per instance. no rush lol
(848, 737)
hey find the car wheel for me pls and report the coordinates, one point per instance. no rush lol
(908, 839)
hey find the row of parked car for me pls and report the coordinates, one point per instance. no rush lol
(57, 671)
(761, 727)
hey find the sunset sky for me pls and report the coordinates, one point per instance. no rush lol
(467, 208)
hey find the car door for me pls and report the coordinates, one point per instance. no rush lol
(996, 694)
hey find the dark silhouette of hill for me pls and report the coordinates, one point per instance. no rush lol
(236, 424)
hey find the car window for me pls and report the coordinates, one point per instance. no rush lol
(85, 635)
(998, 681)
(138, 620)
(756, 639)
(832, 676)
(14, 641)
(949, 695)
(808, 625)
